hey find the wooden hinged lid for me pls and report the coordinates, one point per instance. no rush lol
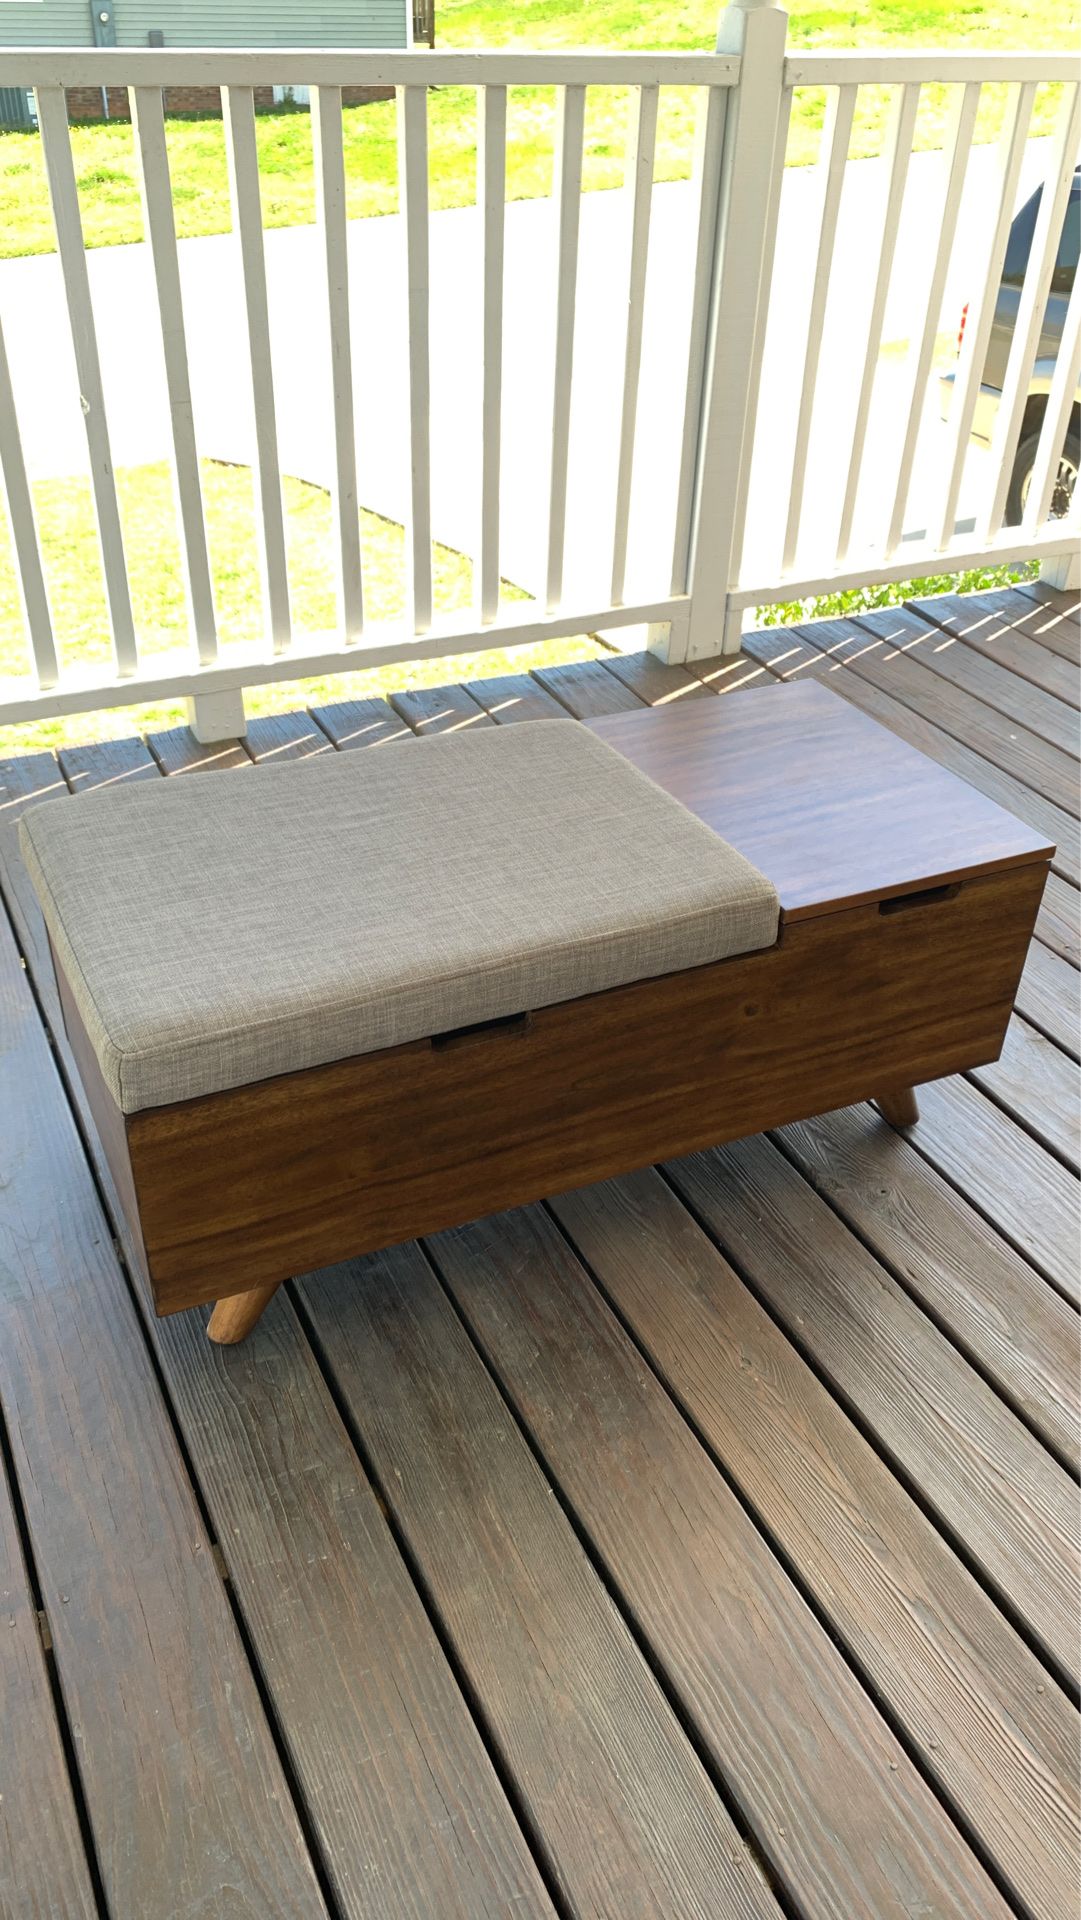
(831, 806)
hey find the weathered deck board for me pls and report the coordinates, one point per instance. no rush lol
(411, 1819)
(1010, 640)
(653, 680)
(1003, 640)
(439, 709)
(998, 1310)
(1056, 626)
(780, 652)
(587, 690)
(34, 776)
(43, 1864)
(399, 1790)
(974, 1220)
(515, 696)
(1027, 1195)
(1059, 924)
(107, 763)
(1013, 748)
(960, 1683)
(360, 723)
(274, 737)
(171, 1738)
(176, 750)
(1063, 602)
(1049, 997)
(1036, 1082)
(989, 1481)
(744, 1654)
(617, 1798)
(971, 670)
(1060, 632)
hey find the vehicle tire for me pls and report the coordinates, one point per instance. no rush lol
(1022, 475)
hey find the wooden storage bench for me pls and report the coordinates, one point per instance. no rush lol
(877, 926)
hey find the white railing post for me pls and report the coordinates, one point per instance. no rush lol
(1063, 570)
(742, 262)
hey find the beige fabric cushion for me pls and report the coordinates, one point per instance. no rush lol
(219, 930)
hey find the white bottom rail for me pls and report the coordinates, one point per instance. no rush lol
(174, 676)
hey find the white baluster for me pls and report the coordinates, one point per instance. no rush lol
(896, 156)
(834, 155)
(959, 148)
(638, 188)
(327, 147)
(981, 306)
(53, 126)
(413, 196)
(1030, 312)
(238, 107)
(28, 571)
(567, 187)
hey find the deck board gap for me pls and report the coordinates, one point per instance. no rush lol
(973, 1200)
(324, 1879)
(198, 1496)
(937, 1319)
(790, 1566)
(619, 1600)
(1026, 1121)
(888, 1459)
(9, 1486)
(500, 1763)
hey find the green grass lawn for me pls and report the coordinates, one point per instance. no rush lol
(66, 525)
(105, 164)
(106, 174)
(70, 553)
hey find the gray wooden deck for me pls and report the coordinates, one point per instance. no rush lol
(701, 1544)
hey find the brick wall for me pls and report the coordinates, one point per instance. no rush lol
(84, 103)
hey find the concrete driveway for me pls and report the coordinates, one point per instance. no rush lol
(31, 304)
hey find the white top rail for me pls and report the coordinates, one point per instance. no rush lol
(346, 67)
(495, 66)
(869, 68)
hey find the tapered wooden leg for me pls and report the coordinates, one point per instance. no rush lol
(899, 1107)
(234, 1318)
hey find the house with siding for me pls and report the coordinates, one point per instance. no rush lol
(200, 23)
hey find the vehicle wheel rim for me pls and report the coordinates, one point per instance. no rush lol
(1063, 489)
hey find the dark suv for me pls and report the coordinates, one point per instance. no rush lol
(998, 353)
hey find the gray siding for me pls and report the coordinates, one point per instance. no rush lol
(210, 23)
(45, 23)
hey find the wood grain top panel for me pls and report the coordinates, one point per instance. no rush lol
(833, 807)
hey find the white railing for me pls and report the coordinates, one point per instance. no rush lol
(708, 571)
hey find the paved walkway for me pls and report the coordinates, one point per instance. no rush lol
(31, 303)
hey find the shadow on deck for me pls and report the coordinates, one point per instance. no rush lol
(700, 1544)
